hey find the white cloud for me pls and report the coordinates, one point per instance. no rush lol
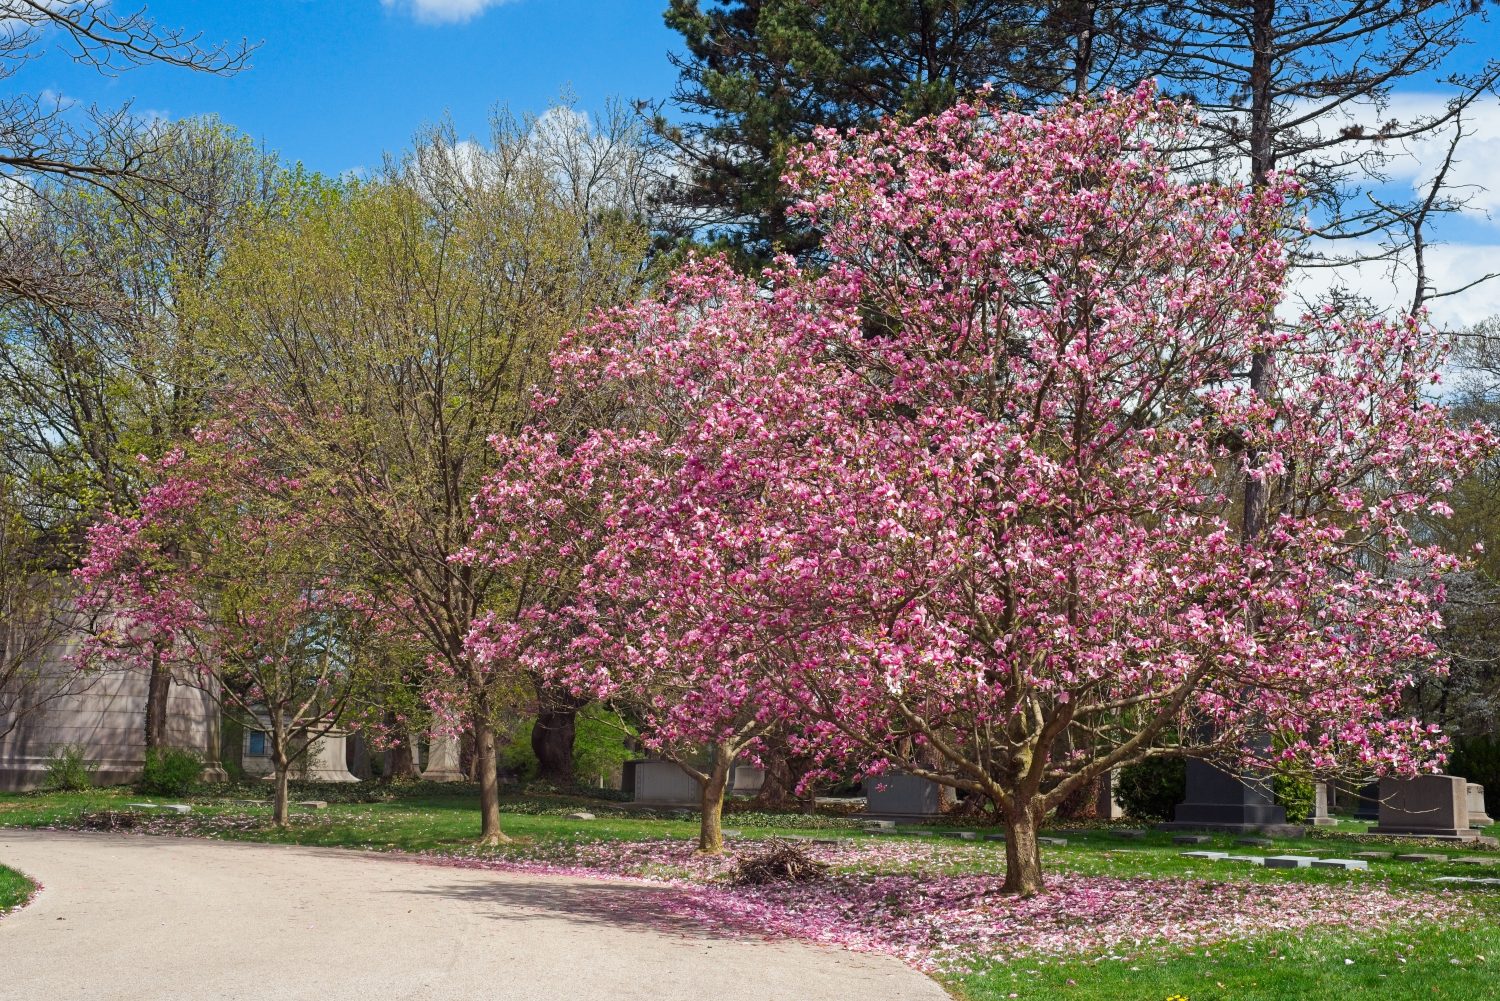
(442, 11)
(1390, 285)
(1411, 163)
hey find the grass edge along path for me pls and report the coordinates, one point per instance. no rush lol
(16, 890)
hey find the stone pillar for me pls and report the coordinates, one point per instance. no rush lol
(1219, 801)
(1322, 794)
(442, 760)
(328, 760)
(1478, 818)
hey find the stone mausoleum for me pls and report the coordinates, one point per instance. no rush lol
(102, 713)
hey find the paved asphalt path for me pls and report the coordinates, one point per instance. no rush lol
(132, 918)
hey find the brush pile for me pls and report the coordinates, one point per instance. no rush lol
(108, 820)
(779, 862)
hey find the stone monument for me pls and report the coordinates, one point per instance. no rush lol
(1107, 807)
(327, 761)
(1426, 806)
(747, 780)
(1368, 802)
(897, 794)
(1321, 795)
(442, 760)
(1235, 804)
(101, 713)
(1478, 818)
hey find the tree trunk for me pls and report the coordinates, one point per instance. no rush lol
(280, 808)
(1023, 856)
(357, 757)
(400, 762)
(552, 737)
(397, 766)
(1262, 162)
(157, 689)
(778, 792)
(711, 822)
(489, 782)
(467, 758)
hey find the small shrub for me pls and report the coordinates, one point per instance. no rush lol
(169, 771)
(780, 862)
(1151, 789)
(1294, 792)
(69, 771)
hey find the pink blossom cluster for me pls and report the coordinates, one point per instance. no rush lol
(956, 922)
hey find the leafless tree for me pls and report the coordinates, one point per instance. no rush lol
(46, 138)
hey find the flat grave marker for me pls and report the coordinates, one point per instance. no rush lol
(1289, 861)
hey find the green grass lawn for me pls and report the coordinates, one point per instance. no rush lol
(1422, 962)
(15, 889)
(1428, 963)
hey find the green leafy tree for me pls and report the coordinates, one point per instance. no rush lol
(384, 331)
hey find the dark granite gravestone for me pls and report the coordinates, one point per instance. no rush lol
(1217, 800)
(1368, 807)
(1425, 806)
(896, 794)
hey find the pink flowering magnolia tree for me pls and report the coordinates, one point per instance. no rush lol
(600, 514)
(1055, 340)
(226, 576)
(967, 499)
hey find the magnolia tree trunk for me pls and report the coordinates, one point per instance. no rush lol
(1023, 857)
(711, 817)
(280, 802)
(159, 685)
(486, 762)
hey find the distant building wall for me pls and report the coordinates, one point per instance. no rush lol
(104, 714)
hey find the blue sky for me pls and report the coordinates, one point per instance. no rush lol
(336, 83)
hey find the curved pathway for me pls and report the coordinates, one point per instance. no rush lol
(132, 918)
